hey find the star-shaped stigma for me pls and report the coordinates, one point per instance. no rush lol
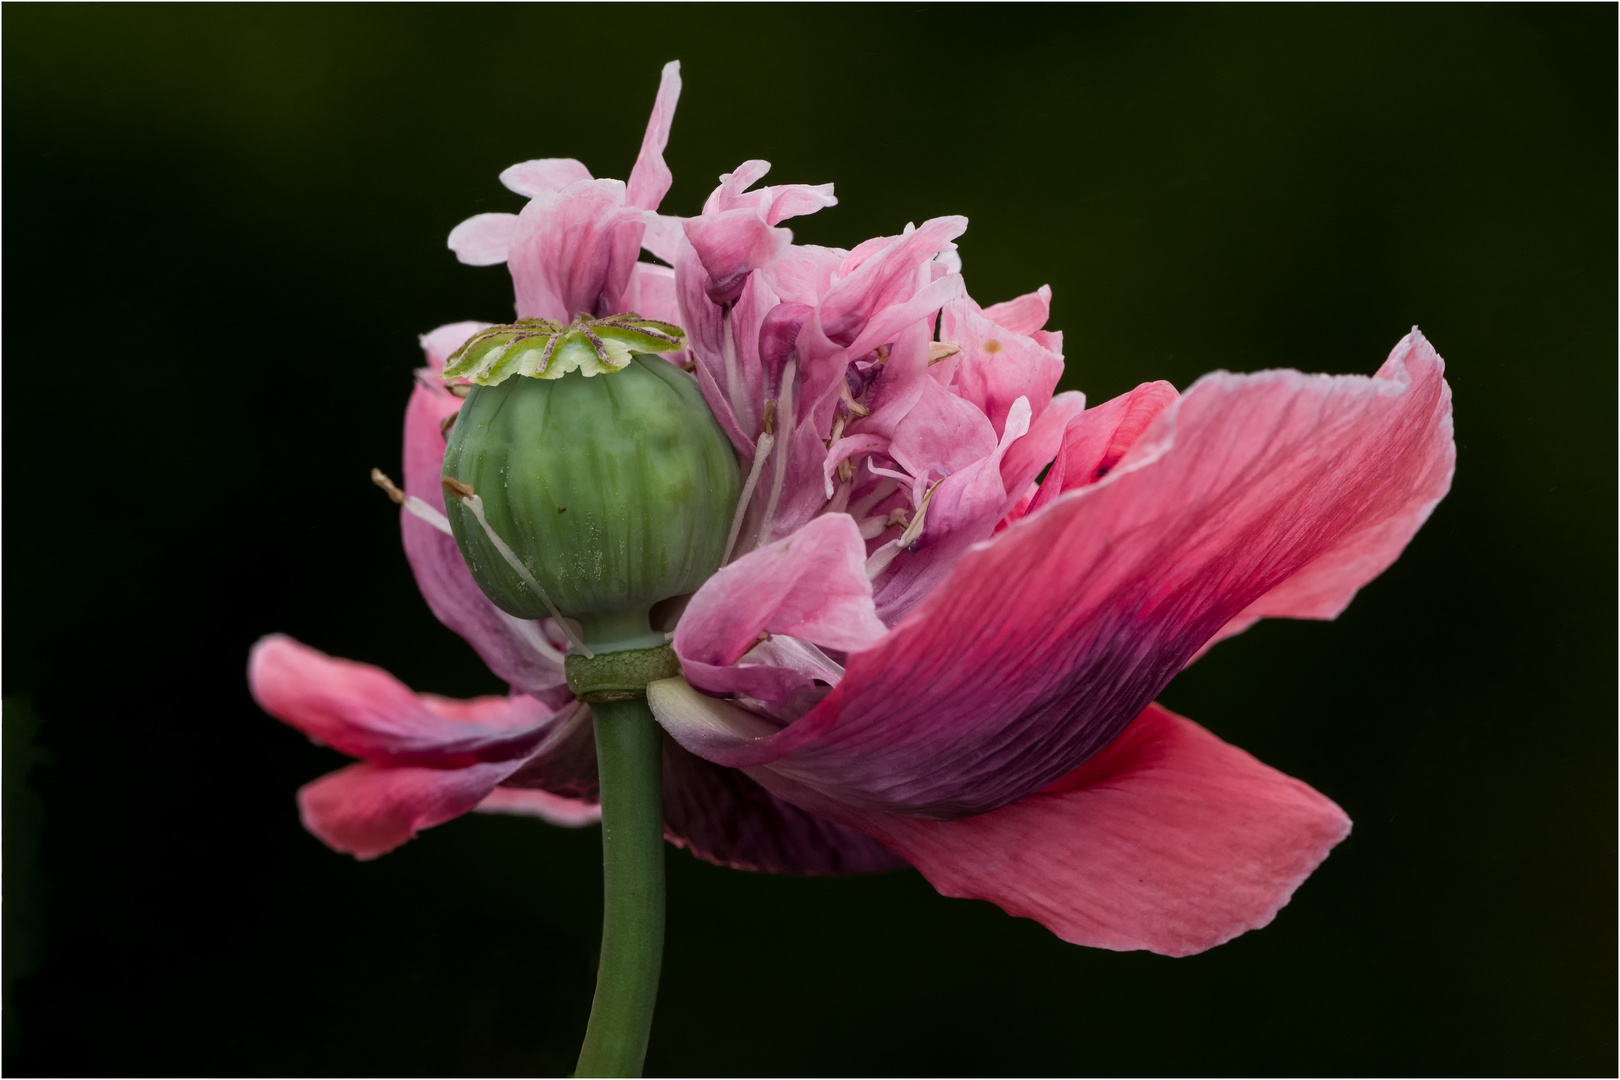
(546, 349)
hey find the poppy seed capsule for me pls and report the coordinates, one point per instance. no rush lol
(615, 491)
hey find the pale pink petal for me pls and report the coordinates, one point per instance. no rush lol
(543, 174)
(652, 293)
(882, 278)
(439, 343)
(1168, 840)
(796, 200)
(941, 434)
(1024, 314)
(529, 802)
(663, 236)
(575, 250)
(484, 239)
(997, 366)
(650, 178)
(1026, 458)
(811, 585)
(1045, 642)
(368, 810)
(366, 712)
(730, 194)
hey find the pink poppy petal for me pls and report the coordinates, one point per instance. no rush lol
(1025, 314)
(1169, 840)
(483, 239)
(796, 200)
(997, 366)
(530, 178)
(663, 237)
(574, 250)
(723, 817)
(1026, 458)
(885, 277)
(811, 585)
(365, 712)
(1076, 616)
(650, 178)
(367, 810)
(652, 293)
(554, 809)
(731, 245)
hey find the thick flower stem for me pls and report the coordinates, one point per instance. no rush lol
(629, 757)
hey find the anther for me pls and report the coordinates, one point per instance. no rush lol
(855, 407)
(456, 489)
(941, 350)
(381, 479)
(459, 389)
(769, 423)
(446, 424)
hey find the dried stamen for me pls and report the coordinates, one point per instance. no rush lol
(411, 503)
(941, 350)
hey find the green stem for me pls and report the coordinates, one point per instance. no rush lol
(629, 759)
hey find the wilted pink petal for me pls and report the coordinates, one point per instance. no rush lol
(813, 585)
(1168, 840)
(366, 712)
(731, 245)
(529, 802)
(1077, 615)
(530, 178)
(484, 239)
(1023, 314)
(883, 275)
(368, 810)
(650, 177)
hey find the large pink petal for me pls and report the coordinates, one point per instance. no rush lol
(368, 810)
(1044, 643)
(731, 245)
(650, 177)
(1168, 840)
(516, 650)
(811, 585)
(366, 712)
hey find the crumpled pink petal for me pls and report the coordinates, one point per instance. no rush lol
(1168, 840)
(365, 712)
(1099, 437)
(1077, 615)
(1022, 314)
(367, 810)
(575, 250)
(997, 365)
(812, 585)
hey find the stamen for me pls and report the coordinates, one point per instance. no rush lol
(882, 355)
(881, 558)
(769, 423)
(728, 350)
(762, 450)
(459, 389)
(446, 424)
(470, 499)
(789, 373)
(837, 430)
(411, 503)
(941, 350)
(846, 470)
(855, 407)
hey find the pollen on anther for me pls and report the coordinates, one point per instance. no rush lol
(382, 480)
(456, 488)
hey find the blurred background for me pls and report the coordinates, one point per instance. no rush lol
(224, 227)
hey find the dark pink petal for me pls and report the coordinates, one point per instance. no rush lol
(516, 650)
(368, 810)
(1025, 314)
(1168, 840)
(650, 177)
(1044, 643)
(544, 174)
(723, 817)
(1094, 442)
(484, 239)
(812, 585)
(555, 809)
(366, 712)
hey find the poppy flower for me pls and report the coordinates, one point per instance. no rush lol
(950, 595)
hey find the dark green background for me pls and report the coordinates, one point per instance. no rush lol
(224, 227)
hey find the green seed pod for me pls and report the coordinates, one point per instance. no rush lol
(614, 490)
